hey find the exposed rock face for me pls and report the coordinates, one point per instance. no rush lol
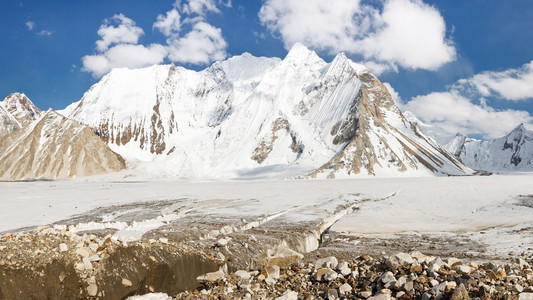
(513, 152)
(249, 115)
(382, 141)
(55, 147)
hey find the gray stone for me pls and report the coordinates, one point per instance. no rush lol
(92, 290)
(344, 268)
(221, 242)
(63, 247)
(242, 275)
(380, 297)
(345, 289)
(333, 294)
(94, 258)
(460, 293)
(87, 263)
(452, 260)
(211, 277)
(408, 286)
(525, 296)
(272, 272)
(270, 281)
(462, 269)
(289, 295)
(83, 252)
(328, 262)
(387, 277)
(404, 259)
(325, 274)
(365, 294)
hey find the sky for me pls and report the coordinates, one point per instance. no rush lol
(462, 66)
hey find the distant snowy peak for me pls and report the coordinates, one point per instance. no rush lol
(513, 152)
(55, 147)
(21, 108)
(249, 116)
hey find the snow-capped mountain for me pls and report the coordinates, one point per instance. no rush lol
(21, 109)
(253, 115)
(55, 147)
(513, 152)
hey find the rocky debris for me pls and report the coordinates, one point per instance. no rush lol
(400, 276)
(101, 267)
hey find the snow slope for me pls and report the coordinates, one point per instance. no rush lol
(251, 117)
(55, 147)
(513, 152)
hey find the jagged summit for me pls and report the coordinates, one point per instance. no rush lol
(21, 108)
(254, 116)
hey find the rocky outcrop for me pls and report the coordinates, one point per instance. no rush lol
(55, 147)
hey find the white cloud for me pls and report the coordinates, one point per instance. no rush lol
(170, 23)
(203, 44)
(200, 7)
(30, 25)
(407, 33)
(455, 113)
(124, 55)
(119, 37)
(512, 84)
(380, 68)
(45, 33)
(118, 30)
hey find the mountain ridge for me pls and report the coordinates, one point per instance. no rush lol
(245, 116)
(512, 152)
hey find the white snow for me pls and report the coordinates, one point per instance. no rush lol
(211, 123)
(465, 206)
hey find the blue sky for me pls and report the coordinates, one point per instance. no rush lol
(461, 65)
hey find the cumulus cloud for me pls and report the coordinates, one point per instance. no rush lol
(170, 23)
(380, 68)
(200, 7)
(512, 84)
(118, 30)
(119, 46)
(124, 55)
(406, 33)
(203, 44)
(456, 113)
(30, 25)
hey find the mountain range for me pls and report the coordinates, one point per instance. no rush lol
(245, 117)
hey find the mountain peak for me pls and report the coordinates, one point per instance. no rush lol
(299, 50)
(21, 108)
(520, 127)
